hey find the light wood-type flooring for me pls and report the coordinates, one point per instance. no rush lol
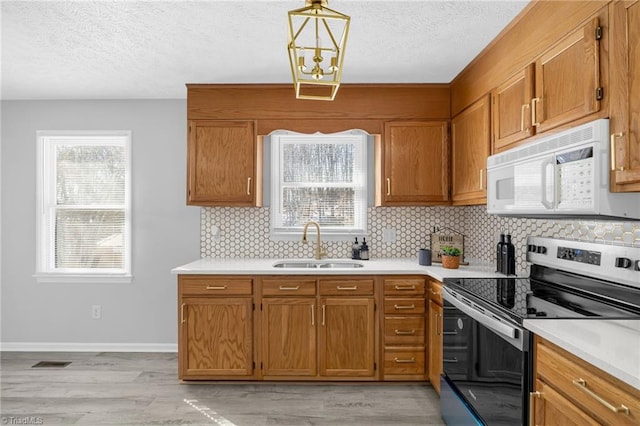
(143, 389)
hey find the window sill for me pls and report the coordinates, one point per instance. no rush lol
(83, 278)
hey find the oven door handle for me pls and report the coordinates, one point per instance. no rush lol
(487, 321)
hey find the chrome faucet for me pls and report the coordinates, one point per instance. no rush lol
(319, 252)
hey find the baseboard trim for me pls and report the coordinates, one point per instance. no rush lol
(87, 347)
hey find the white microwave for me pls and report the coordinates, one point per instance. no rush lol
(563, 174)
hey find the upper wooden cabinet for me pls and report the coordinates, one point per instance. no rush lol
(471, 138)
(224, 164)
(412, 164)
(625, 95)
(511, 110)
(568, 79)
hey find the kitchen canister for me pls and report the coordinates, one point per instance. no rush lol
(424, 257)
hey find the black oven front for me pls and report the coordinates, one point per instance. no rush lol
(486, 365)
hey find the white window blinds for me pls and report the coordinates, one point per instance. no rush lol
(84, 226)
(321, 178)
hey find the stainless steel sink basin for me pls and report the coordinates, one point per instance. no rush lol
(341, 265)
(292, 264)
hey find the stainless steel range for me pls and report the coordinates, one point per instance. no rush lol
(487, 363)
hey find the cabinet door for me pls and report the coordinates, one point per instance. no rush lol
(289, 336)
(470, 133)
(625, 95)
(551, 409)
(511, 110)
(414, 164)
(347, 334)
(222, 161)
(216, 337)
(567, 77)
(435, 344)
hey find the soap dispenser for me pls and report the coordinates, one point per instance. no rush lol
(364, 250)
(355, 250)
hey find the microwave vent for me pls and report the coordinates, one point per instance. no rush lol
(553, 143)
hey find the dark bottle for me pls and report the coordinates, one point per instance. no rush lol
(355, 250)
(499, 265)
(364, 250)
(508, 256)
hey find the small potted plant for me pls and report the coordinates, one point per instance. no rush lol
(450, 257)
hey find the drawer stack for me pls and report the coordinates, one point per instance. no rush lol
(404, 328)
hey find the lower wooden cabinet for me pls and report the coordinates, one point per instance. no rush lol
(215, 330)
(347, 331)
(404, 328)
(302, 328)
(436, 331)
(570, 391)
(289, 336)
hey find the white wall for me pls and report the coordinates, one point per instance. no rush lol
(165, 231)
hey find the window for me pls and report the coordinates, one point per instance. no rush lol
(321, 178)
(84, 207)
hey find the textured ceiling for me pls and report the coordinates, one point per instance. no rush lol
(150, 49)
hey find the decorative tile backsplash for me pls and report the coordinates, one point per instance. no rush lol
(244, 232)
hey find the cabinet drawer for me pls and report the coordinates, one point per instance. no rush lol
(588, 386)
(404, 362)
(404, 305)
(215, 286)
(435, 292)
(342, 287)
(404, 331)
(289, 287)
(404, 286)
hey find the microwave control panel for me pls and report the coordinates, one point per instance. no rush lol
(576, 184)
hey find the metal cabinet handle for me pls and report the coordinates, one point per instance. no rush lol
(613, 151)
(534, 114)
(435, 293)
(582, 384)
(405, 287)
(524, 106)
(339, 287)
(249, 186)
(216, 287)
(405, 332)
(481, 179)
(532, 411)
(182, 319)
(404, 361)
(404, 306)
(437, 327)
(323, 313)
(313, 315)
(388, 186)
(289, 288)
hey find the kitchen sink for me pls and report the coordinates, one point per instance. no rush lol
(292, 264)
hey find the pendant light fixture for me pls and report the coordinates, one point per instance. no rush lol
(317, 39)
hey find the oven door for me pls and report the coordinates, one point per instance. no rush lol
(486, 365)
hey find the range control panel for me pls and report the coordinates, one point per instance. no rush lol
(608, 261)
(579, 255)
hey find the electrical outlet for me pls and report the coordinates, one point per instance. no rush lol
(389, 235)
(96, 312)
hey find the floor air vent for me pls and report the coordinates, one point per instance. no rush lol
(51, 364)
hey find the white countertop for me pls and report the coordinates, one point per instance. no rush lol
(611, 345)
(370, 267)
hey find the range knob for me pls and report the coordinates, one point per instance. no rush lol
(531, 248)
(542, 250)
(637, 265)
(623, 262)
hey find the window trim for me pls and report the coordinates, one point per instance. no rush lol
(328, 233)
(44, 273)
